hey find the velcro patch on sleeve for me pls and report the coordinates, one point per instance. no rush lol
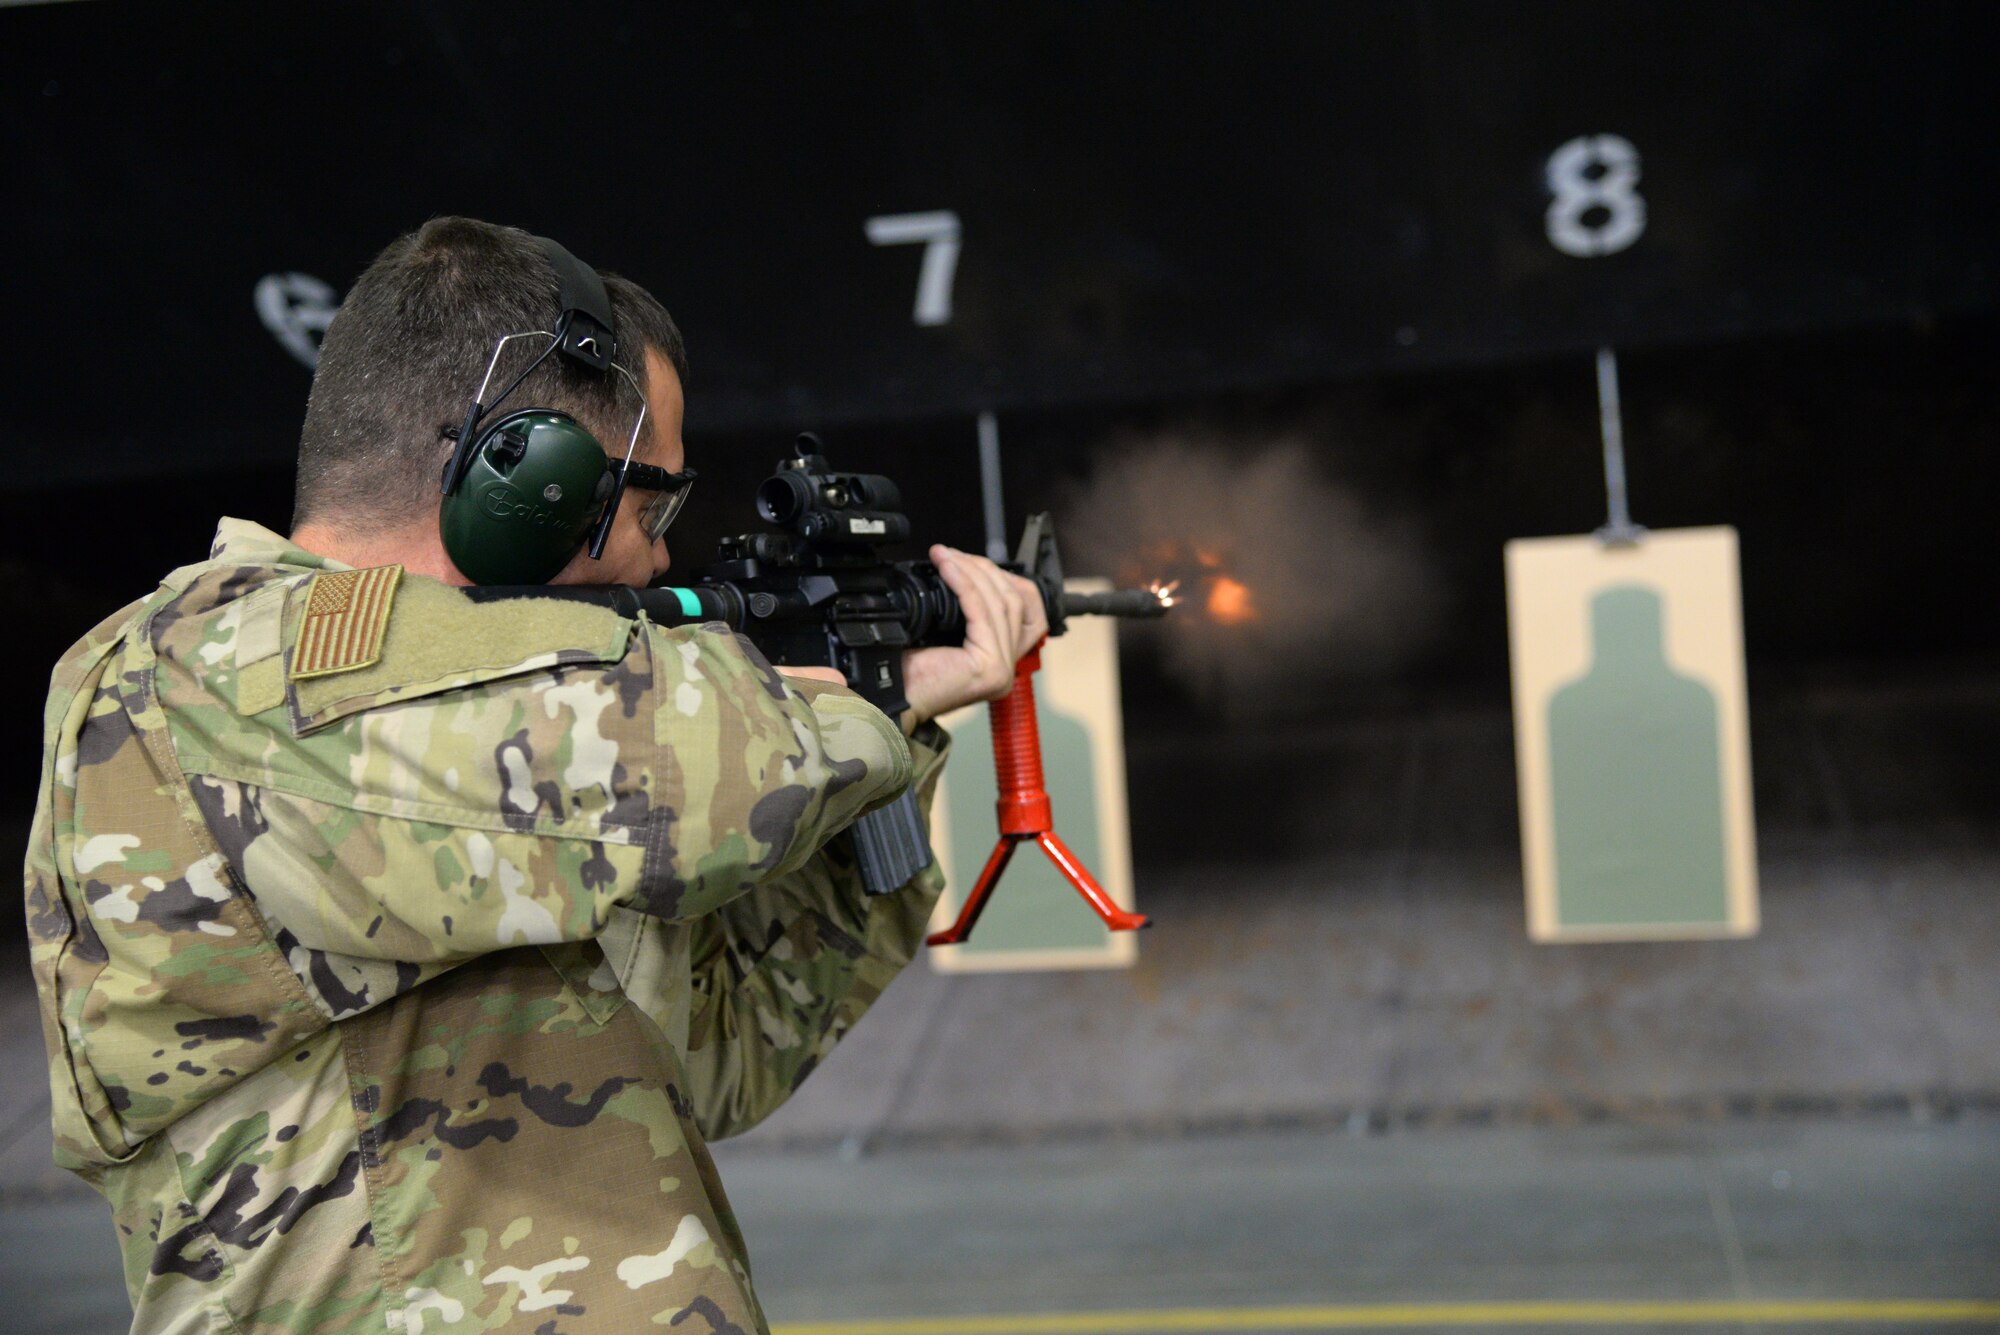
(345, 616)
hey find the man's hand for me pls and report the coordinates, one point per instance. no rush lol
(1004, 619)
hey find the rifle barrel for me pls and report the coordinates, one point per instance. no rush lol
(1117, 603)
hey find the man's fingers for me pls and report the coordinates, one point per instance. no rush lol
(988, 636)
(974, 601)
(1020, 601)
(1035, 626)
(995, 635)
(1007, 605)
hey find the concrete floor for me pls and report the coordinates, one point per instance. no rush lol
(1397, 989)
(1765, 1211)
(1854, 1212)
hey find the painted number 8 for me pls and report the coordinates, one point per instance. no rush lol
(1594, 209)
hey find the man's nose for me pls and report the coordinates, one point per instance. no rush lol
(661, 559)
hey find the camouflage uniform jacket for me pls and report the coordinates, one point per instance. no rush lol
(402, 999)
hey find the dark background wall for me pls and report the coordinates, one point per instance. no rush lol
(1154, 200)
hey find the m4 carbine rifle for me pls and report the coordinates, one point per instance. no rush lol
(815, 590)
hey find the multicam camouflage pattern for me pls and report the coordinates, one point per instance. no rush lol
(405, 999)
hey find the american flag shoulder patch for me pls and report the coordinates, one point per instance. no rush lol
(347, 612)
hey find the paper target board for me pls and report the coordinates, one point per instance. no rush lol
(1631, 737)
(1035, 919)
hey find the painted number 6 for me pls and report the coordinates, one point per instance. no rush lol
(296, 308)
(1593, 209)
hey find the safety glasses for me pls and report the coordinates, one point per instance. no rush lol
(670, 493)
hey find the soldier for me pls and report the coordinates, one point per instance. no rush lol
(399, 952)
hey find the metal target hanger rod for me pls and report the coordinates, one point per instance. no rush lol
(989, 487)
(1618, 530)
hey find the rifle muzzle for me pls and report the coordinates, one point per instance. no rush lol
(1117, 603)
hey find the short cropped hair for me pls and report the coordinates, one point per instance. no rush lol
(404, 354)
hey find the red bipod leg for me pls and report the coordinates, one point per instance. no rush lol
(975, 903)
(1024, 812)
(1078, 875)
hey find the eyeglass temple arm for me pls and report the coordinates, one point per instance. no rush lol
(603, 533)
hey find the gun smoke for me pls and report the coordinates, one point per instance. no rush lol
(1288, 582)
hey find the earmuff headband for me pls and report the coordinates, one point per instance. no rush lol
(586, 309)
(583, 333)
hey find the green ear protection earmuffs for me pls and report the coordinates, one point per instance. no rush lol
(525, 491)
(536, 487)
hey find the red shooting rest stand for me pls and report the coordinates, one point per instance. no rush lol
(1024, 812)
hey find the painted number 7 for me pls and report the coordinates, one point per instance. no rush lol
(938, 231)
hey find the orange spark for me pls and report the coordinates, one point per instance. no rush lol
(1208, 559)
(1229, 601)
